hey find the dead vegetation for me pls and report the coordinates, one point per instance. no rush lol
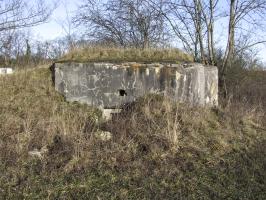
(248, 86)
(113, 54)
(158, 150)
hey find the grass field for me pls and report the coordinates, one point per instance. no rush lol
(159, 149)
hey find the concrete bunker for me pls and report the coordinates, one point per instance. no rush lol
(109, 86)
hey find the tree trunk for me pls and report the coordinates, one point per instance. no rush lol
(229, 53)
(209, 22)
(198, 24)
(210, 33)
(230, 49)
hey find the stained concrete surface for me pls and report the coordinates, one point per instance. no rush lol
(107, 85)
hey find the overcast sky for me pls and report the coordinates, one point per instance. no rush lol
(53, 29)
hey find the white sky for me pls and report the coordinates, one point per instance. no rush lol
(52, 29)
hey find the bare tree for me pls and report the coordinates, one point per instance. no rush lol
(208, 13)
(123, 22)
(188, 20)
(11, 45)
(18, 14)
(6, 45)
(251, 12)
(68, 27)
(197, 19)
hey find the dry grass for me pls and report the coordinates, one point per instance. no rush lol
(248, 86)
(32, 114)
(104, 54)
(159, 149)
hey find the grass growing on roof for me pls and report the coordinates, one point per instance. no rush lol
(101, 54)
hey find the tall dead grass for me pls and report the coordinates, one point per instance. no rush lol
(33, 114)
(112, 54)
(247, 86)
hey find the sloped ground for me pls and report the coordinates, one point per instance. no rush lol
(49, 148)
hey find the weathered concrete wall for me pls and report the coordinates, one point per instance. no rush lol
(108, 85)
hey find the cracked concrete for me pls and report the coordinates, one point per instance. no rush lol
(107, 85)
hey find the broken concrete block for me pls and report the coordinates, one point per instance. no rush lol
(103, 135)
(4, 71)
(107, 113)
